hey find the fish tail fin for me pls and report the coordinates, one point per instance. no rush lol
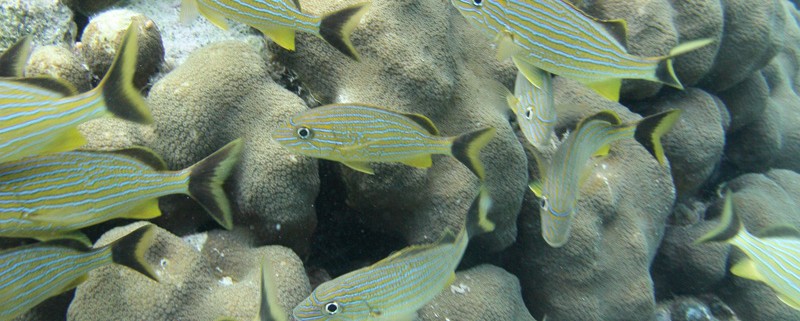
(729, 225)
(121, 97)
(478, 221)
(337, 26)
(467, 148)
(206, 178)
(665, 72)
(130, 250)
(650, 129)
(12, 61)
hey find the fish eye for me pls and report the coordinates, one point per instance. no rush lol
(477, 3)
(304, 132)
(528, 113)
(543, 203)
(332, 307)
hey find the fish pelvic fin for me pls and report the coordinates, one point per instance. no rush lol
(650, 129)
(665, 72)
(478, 221)
(12, 61)
(130, 250)
(121, 97)
(729, 225)
(206, 179)
(467, 149)
(336, 27)
(76, 236)
(284, 37)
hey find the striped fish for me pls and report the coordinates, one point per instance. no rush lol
(359, 134)
(33, 273)
(394, 288)
(556, 36)
(270, 309)
(533, 107)
(12, 61)
(280, 19)
(41, 115)
(52, 196)
(562, 177)
(773, 257)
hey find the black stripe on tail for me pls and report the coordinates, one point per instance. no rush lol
(206, 179)
(729, 225)
(12, 61)
(467, 148)
(130, 250)
(121, 97)
(650, 129)
(337, 26)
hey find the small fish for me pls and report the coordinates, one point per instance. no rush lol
(533, 107)
(773, 257)
(31, 274)
(394, 288)
(359, 134)
(280, 19)
(556, 36)
(562, 177)
(12, 61)
(41, 115)
(52, 196)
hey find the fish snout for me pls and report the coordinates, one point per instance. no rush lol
(284, 134)
(556, 227)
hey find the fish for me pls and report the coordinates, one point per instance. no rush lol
(534, 108)
(33, 273)
(12, 61)
(393, 289)
(52, 196)
(281, 19)
(41, 115)
(357, 134)
(269, 308)
(558, 187)
(559, 38)
(773, 256)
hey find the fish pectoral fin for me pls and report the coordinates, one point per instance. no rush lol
(602, 151)
(284, 37)
(215, 18)
(607, 88)
(69, 140)
(75, 236)
(419, 162)
(536, 187)
(531, 72)
(145, 211)
(747, 269)
(451, 279)
(363, 167)
(506, 48)
(789, 301)
(189, 11)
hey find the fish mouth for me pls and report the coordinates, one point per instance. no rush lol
(556, 227)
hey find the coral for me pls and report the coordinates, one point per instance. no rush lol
(59, 62)
(602, 272)
(485, 292)
(685, 308)
(48, 21)
(407, 46)
(90, 7)
(103, 34)
(202, 276)
(694, 145)
(222, 92)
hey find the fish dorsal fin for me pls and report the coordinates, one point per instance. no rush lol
(779, 231)
(59, 87)
(618, 28)
(447, 238)
(297, 5)
(12, 61)
(605, 115)
(142, 154)
(423, 121)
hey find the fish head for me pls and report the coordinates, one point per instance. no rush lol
(556, 220)
(536, 124)
(484, 14)
(304, 135)
(330, 302)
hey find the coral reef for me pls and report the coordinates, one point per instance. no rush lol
(60, 62)
(48, 21)
(202, 276)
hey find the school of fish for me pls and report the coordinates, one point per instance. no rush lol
(50, 190)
